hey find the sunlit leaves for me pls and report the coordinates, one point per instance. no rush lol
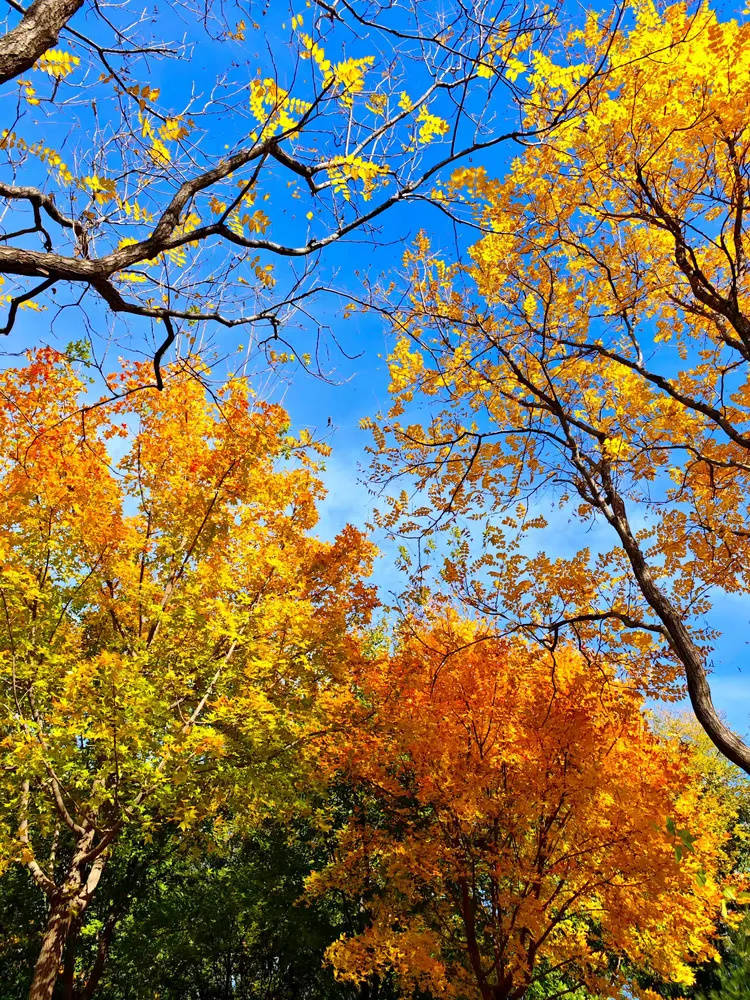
(593, 343)
(171, 631)
(520, 816)
(57, 62)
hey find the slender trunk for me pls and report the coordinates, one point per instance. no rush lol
(100, 962)
(468, 914)
(688, 653)
(47, 966)
(69, 969)
(69, 991)
(67, 905)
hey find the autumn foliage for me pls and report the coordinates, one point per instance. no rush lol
(170, 630)
(189, 683)
(523, 826)
(594, 342)
(198, 177)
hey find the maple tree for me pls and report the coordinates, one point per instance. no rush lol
(594, 346)
(141, 183)
(524, 828)
(170, 630)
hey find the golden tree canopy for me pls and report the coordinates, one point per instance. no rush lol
(601, 348)
(524, 825)
(171, 630)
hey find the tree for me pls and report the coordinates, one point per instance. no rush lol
(171, 632)
(526, 833)
(194, 922)
(729, 792)
(233, 925)
(733, 975)
(725, 782)
(600, 349)
(182, 182)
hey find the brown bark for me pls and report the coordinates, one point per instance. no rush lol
(683, 646)
(69, 967)
(67, 905)
(47, 966)
(83, 988)
(610, 502)
(468, 915)
(37, 31)
(100, 962)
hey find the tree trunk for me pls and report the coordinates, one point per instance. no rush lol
(67, 905)
(47, 966)
(69, 968)
(100, 962)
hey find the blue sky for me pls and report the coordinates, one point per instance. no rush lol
(357, 381)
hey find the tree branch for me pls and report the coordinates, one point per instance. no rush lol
(38, 31)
